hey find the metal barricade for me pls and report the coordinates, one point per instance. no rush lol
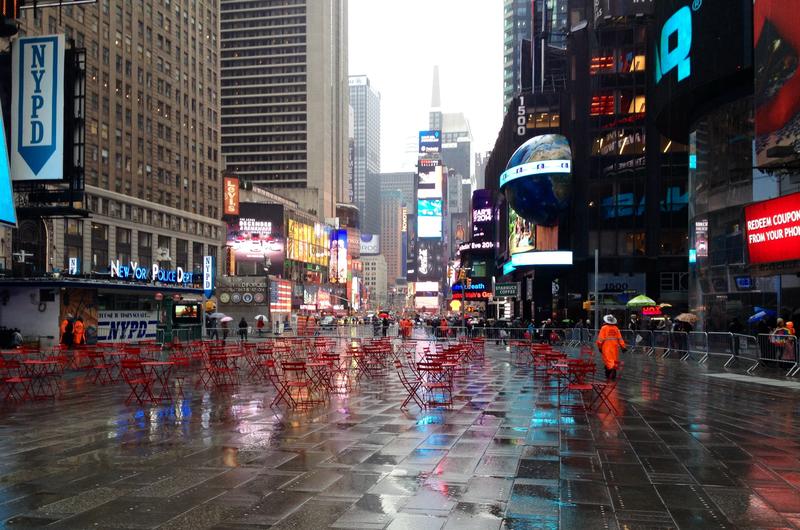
(696, 344)
(748, 350)
(720, 343)
(779, 350)
(661, 343)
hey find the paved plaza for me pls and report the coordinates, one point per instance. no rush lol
(685, 451)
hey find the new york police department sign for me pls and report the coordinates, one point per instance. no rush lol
(37, 108)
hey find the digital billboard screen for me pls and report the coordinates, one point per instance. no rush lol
(776, 40)
(483, 220)
(308, 243)
(429, 180)
(773, 229)
(429, 218)
(430, 141)
(338, 263)
(524, 236)
(255, 236)
(698, 51)
(370, 244)
(430, 261)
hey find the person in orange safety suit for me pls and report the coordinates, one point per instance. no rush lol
(610, 342)
(77, 332)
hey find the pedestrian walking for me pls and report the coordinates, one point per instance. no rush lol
(243, 330)
(260, 326)
(224, 330)
(66, 331)
(781, 339)
(610, 342)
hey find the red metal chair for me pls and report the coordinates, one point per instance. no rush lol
(435, 382)
(299, 384)
(140, 383)
(411, 385)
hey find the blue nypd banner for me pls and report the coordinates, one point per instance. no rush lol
(8, 214)
(37, 108)
(126, 326)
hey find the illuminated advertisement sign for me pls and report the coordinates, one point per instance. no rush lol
(132, 271)
(426, 303)
(370, 244)
(430, 261)
(773, 229)
(544, 257)
(307, 243)
(700, 49)
(776, 39)
(338, 263)
(536, 168)
(8, 214)
(37, 108)
(230, 196)
(429, 182)
(524, 236)
(483, 220)
(255, 236)
(430, 141)
(701, 237)
(429, 218)
(411, 248)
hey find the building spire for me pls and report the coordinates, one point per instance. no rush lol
(436, 99)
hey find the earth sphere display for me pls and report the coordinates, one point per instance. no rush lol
(537, 182)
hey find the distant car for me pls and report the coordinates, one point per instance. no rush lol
(328, 322)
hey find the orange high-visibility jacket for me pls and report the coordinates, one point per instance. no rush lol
(609, 342)
(77, 332)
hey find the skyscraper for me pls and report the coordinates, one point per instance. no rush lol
(391, 234)
(517, 26)
(152, 166)
(285, 97)
(366, 104)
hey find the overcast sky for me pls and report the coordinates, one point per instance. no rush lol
(397, 44)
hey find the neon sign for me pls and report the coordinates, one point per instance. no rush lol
(132, 271)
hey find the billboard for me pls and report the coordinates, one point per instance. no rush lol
(776, 41)
(429, 180)
(337, 270)
(37, 103)
(698, 51)
(773, 229)
(370, 244)
(524, 236)
(8, 214)
(483, 220)
(430, 141)
(308, 243)
(126, 326)
(429, 218)
(230, 196)
(411, 247)
(252, 237)
(430, 261)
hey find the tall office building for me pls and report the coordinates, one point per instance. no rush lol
(391, 234)
(516, 26)
(152, 165)
(366, 104)
(285, 98)
(402, 182)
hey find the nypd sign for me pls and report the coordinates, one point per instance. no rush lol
(37, 108)
(126, 326)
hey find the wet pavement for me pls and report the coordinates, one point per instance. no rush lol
(685, 451)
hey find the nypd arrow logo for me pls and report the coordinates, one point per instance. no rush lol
(37, 107)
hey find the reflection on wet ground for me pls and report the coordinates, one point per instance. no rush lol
(685, 451)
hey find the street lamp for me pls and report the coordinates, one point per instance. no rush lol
(267, 265)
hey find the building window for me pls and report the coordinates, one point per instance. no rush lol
(164, 258)
(99, 247)
(197, 257)
(145, 249)
(182, 254)
(123, 245)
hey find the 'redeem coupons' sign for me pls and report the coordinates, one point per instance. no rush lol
(773, 229)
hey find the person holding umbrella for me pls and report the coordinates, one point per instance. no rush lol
(610, 342)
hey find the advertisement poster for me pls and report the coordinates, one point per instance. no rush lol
(370, 244)
(430, 141)
(338, 262)
(429, 180)
(430, 256)
(773, 229)
(521, 233)
(308, 244)
(776, 41)
(429, 218)
(257, 234)
(230, 196)
(482, 216)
